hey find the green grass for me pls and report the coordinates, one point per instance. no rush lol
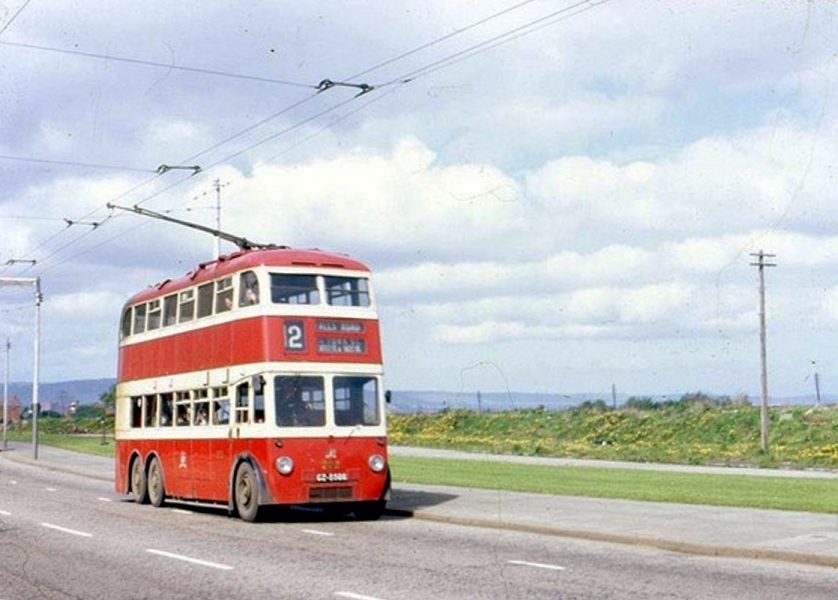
(694, 430)
(88, 444)
(808, 495)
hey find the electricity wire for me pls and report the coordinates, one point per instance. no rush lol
(14, 16)
(505, 37)
(150, 63)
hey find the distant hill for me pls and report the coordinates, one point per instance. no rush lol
(430, 401)
(58, 395)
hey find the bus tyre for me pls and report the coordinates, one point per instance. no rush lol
(369, 511)
(246, 492)
(156, 491)
(139, 483)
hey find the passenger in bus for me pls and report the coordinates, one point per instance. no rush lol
(249, 294)
(222, 412)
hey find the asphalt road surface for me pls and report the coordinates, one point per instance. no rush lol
(65, 536)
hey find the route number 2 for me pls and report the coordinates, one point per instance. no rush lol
(295, 339)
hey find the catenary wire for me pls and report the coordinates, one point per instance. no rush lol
(515, 33)
(498, 40)
(14, 16)
(150, 63)
(439, 40)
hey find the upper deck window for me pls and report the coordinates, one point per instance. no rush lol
(139, 318)
(294, 289)
(223, 295)
(347, 291)
(205, 296)
(169, 310)
(153, 315)
(248, 289)
(187, 306)
(126, 322)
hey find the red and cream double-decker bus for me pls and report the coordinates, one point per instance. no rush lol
(255, 380)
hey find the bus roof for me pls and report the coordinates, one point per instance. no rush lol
(248, 259)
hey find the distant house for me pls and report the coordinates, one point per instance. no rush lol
(13, 407)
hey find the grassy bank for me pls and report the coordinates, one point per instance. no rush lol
(779, 493)
(694, 430)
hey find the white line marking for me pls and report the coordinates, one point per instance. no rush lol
(13, 482)
(5, 513)
(197, 561)
(355, 596)
(182, 511)
(317, 532)
(524, 563)
(100, 499)
(51, 490)
(65, 530)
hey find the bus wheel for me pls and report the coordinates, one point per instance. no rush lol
(139, 483)
(369, 511)
(156, 491)
(246, 492)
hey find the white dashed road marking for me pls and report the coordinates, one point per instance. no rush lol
(525, 563)
(355, 596)
(195, 561)
(317, 532)
(66, 530)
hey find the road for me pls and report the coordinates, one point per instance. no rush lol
(67, 536)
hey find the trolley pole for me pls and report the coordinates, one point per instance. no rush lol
(761, 264)
(217, 185)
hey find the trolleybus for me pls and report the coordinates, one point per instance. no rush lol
(255, 380)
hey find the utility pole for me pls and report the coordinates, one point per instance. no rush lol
(6, 395)
(761, 264)
(36, 407)
(817, 388)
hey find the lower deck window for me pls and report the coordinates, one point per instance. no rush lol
(356, 401)
(300, 401)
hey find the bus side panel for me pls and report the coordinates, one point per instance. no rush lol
(121, 456)
(202, 469)
(177, 467)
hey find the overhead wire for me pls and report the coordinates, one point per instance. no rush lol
(68, 163)
(150, 63)
(439, 40)
(515, 33)
(14, 16)
(498, 40)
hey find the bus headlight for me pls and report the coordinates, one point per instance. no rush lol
(284, 465)
(376, 463)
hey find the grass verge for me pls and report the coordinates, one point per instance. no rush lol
(781, 493)
(88, 444)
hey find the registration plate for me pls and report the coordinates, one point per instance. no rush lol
(331, 477)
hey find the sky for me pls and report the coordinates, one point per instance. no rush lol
(554, 196)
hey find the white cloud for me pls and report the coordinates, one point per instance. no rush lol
(581, 201)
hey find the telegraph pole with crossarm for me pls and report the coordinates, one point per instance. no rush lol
(761, 264)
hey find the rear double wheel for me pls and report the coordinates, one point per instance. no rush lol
(139, 482)
(246, 492)
(156, 490)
